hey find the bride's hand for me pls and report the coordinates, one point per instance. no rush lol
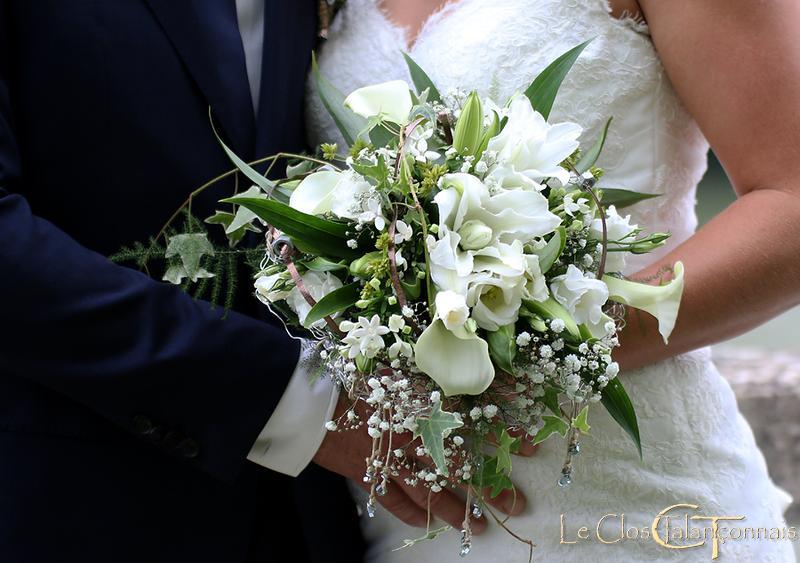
(344, 453)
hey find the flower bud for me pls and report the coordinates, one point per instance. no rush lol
(469, 127)
(361, 266)
(475, 235)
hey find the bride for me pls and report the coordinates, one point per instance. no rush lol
(723, 70)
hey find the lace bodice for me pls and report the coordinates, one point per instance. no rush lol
(499, 46)
(697, 447)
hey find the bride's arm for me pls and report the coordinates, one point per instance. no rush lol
(736, 66)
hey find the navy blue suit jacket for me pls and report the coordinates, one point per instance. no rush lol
(127, 408)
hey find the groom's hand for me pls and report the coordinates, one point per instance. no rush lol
(344, 452)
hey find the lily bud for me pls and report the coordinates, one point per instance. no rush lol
(475, 234)
(469, 127)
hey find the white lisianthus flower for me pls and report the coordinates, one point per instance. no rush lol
(265, 288)
(535, 282)
(318, 285)
(583, 297)
(458, 361)
(619, 228)
(509, 214)
(452, 308)
(529, 149)
(661, 301)
(450, 267)
(495, 300)
(390, 101)
(364, 337)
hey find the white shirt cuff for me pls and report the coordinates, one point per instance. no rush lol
(296, 428)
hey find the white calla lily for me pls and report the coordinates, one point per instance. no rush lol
(452, 308)
(661, 301)
(458, 361)
(389, 100)
(314, 194)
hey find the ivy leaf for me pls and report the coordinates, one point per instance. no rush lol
(335, 301)
(550, 400)
(190, 248)
(542, 92)
(503, 347)
(506, 445)
(432, 429)
(580, 422)
(552, 425)
(489, 477)
(431, 535)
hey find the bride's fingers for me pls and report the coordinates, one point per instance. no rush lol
(398, 503)
(526, 446)
(445, 505)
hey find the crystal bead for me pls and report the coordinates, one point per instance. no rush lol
(466, 543)
(477, 511)
(565, 480)
(575, 448)
(370, 508)
(380, 490)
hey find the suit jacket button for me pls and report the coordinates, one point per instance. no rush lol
(142, 425)
(188, 448)
(172, 439)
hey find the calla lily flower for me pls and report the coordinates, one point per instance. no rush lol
(661, 301)
(389, 100)
(314, 195)
(458, 361)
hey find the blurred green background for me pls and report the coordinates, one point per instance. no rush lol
(713, 195)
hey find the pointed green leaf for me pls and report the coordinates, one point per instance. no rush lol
(550, 253)
(581, 421)
(243, 215)
(432, 429)
(552, 425)
(503, 347)
(314, 234)
(335, 302)
(320, 264)
(622, 198)
(350, 124)
(552, 309)
(252, 174)
(542, 92)
(421, 80)
(590, 157)
(616, 401)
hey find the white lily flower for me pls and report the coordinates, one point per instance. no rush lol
(530, 149)
(662, 301)
(264, 288)
(364, 337)
(389, 100)
(510, 214)
(452, 308)
(318, 285)
(583, 297)
(458, 361)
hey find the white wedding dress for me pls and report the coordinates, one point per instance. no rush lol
(697, 447)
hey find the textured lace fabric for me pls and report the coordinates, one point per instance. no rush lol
(697, 447)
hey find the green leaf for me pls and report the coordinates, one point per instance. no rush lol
(421, 80)
(336, 301)
(252, 174)
(243, 215)
(590, 157)
(503, 347)
(431, 535)
(542, 92)
(491, 131)
(412, 290)
(316, 235)
(505, 446)
(622, 198)
(550, 400)
(190, 248)
(350, 124)
(552, 425)
(550, 253)
(581, 421)
(320, 264)
(616, 401)
(432, 429)
(490, 477)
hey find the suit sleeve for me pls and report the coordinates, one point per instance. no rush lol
(141, 353)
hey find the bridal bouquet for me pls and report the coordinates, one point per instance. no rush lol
(459, 270)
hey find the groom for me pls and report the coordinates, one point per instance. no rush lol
(127, 410)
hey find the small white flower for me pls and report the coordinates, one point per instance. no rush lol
(572, 207)
(374, 432)
(364, 337)
(458, 440)
(408, 311)
(396, 323)
(330, 426)
(400, 348)
(612, 370)
(557, 325)
(352, 243)
(546, 351)
(403, 232)
(436, 397)
(475, 413)
(523, 339)
(490, 411)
